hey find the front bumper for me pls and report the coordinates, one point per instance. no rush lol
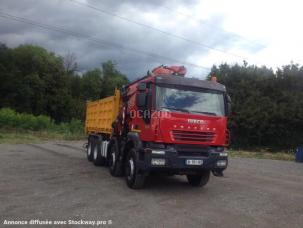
(176, 161)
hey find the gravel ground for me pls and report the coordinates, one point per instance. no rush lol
(54, 181)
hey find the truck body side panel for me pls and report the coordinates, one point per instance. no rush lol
(101, 114)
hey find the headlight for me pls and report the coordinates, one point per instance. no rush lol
(220, 149)
(217, 149)
(158, 161)
(221, 163)
(161, 152)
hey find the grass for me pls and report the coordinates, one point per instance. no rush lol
(23, 137)
(263, 155)
(26, 128)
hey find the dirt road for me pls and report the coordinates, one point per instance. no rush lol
(54, 181)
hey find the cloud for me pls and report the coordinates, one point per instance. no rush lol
(181, 18)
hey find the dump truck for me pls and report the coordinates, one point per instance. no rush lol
(162, 123)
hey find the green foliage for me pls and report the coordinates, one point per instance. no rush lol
(36, 81)
(33, 80)
(73, 127)
(9, 119)
(112, 79)
(267, 105)
(91, 84)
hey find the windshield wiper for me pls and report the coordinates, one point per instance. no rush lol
(187, 111)
(207, 113)
(176, 109)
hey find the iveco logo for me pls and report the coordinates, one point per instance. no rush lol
(193, 121)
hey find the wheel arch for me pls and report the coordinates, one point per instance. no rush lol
(134, 138)
(133, 141)
(112, 141)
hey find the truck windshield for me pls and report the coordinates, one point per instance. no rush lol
(208, 103)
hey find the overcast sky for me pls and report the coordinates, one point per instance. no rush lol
(196, 34)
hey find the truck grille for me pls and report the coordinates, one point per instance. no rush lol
(193, 136)
(192, 150)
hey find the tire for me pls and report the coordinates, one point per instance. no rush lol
(98, 160)
(200, 179)
(89, 149)
(114, 165)
(133, 179)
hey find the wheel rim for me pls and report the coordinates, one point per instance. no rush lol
(112, 158)
(89, 150)
(95, 153)
(130, 169)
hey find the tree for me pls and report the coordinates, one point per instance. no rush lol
(91, 85)
(112, 78)
(267, 105)
(70, 63)
(35, 82)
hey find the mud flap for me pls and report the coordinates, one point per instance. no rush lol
(218, 172)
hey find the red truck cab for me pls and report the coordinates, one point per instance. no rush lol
(170, 124)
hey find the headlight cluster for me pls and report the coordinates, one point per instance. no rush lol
(221, 163)
(158, 161)
(159, 152)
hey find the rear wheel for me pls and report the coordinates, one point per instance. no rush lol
(200, 179)
(97, 157)
(133, 179)
(89, 153)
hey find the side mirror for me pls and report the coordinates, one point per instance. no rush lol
(141, 100)
(142, 86)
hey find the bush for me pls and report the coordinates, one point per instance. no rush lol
(11, 119)
(35, 123)
(73, 127)
(8, 118)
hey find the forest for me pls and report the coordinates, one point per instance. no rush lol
(267, 104)
(39, 82)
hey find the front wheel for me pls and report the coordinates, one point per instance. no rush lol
(114, 163)
(200, 179)
(133, 178)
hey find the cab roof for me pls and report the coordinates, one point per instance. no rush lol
(189, 82)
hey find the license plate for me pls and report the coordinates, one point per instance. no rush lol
(194, 162)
